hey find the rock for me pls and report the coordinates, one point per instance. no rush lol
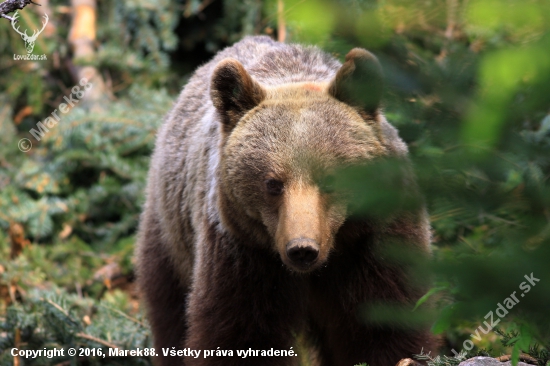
(488, 361)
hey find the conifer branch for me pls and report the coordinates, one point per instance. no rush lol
(97, 340)
(126, 316)
(9, 6)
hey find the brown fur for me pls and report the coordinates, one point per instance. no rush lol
(212, 256)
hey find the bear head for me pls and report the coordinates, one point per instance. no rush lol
(281, 147)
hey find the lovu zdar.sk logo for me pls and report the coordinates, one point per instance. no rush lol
(29, 40)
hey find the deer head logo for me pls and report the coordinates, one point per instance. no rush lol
(29, 40)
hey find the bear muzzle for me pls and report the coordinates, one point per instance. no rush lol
(302, 253)
(301, 228)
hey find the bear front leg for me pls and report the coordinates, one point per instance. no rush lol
(355, 344)
(165, 298)
(243, 300)
(358, 276)
(345, 338)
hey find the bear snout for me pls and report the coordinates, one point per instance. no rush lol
(302, 252)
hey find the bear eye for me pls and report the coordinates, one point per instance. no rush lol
(274, 187)
(326, 184)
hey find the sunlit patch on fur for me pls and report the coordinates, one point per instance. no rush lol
(314, 87)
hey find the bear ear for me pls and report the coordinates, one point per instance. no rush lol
(359, 82)
(234, 92)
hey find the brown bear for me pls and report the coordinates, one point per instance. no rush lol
(242, 247)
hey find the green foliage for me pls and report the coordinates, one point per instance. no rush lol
(135, 39)
(88, 172)
(53, 318)
(520, 341)
(442, 360)
(539, 353)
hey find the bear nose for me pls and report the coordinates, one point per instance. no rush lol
(302, 252)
